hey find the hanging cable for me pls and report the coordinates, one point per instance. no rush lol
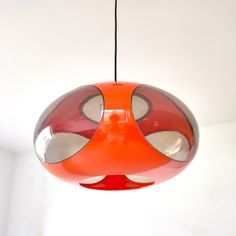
(115, 54)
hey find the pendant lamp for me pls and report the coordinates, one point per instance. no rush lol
(116, 135)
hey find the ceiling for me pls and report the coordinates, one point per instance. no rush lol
(50, 47)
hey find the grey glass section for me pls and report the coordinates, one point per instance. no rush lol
(53, 148)
(171, 143)
(139, 179)
(93, 108)
(93, 180)
(187, 113)
(140, 107)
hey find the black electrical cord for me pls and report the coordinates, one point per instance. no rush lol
(115, 56)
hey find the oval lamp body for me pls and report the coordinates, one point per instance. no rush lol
(116, 136)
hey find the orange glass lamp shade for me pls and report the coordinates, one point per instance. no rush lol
(116, 136)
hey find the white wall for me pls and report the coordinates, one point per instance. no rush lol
(28, 198)
(6, 170)
(199, 202)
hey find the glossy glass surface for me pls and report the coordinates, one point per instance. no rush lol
(68, 124)
(169, 126)
(116, 136)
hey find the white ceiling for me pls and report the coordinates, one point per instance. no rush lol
(50, 47)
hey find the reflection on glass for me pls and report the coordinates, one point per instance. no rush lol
(93, 108)
(68, 124)
(42, 142)
(140, 107)
(171, 143)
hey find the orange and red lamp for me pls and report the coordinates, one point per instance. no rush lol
(116, 136)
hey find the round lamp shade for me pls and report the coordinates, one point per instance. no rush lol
(116, 136)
